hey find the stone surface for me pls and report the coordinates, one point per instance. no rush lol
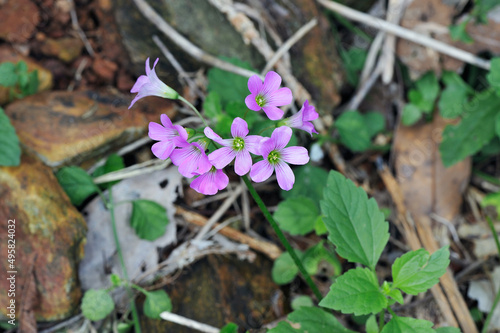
(220, 289)
(49, 230)
(316, 63)
(66, 49)
(44, 76)
(71, 127)
(19, 19)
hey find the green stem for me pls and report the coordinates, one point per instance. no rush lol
(497, 297)
(194, 109)
(135, 315)
(381, 320)
(282, 238)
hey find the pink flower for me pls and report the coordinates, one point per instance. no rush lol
(169, 135)
(151, 85)
(210, 182)
(268, 96)
(276, 157)
(191, 159)
(238, 148)
(302, 119)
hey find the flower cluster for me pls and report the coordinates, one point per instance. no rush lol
(190, 154)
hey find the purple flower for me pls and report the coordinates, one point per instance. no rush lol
(191, 159)
(210, 182)
(238, 148)
(276, 157)
(302, 119)
(151, 85)
(169, 135)
(268, 96)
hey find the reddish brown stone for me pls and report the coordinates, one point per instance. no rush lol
(48, 230)
(67, 48)
(19, 19)
(104, 68)
(71, 127)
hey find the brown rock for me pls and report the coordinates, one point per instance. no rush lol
(217, 290)
(67, 48)
(48, 230)
(19, 19)
(44, 76)
(71, 127)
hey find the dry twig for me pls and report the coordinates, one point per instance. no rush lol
(172, 317)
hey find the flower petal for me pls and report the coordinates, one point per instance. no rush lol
(253, 143)
(204, 184)
(261, 171)
(182, 132)
(309, 112)
(239, 128)
(141, 80)
(209, 133)
(280, 97)
(266, 146)
(221, 180)
(281, 136)
(295, 155)
(273, 112)
(163, 149)
(272, 82)
(203, 163)
(221, 157)
(165, 120)
(148, 68)
(242, 163)
(157, 132)
(285, 176)
(254, 84)
(251, 103)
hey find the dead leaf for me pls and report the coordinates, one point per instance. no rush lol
(484, 292)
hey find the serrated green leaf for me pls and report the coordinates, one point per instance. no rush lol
(356, 291)
(475, 130)
(374, 122)
(284, 327)
(10, 149)
(8, 75)
(493, 76)
(454, 97)
(320, 227)
(353, 60)
(316, 254)
(353, 131)
(223, 125)
(156, 302)
(428, 87)
(212, 105)
(301, 301)
(297, 215)
(148, 219)
(113, 163)
(447, 329)
(411, 114)
(497, 124)
(355, 224)
(229, 328)
(77, 184)
(97, 304)
(396, 295)
(284, 269)
(372, 325)
(405, 325)
(415, 272)
(313, 319)
(458, 33)
(230, 87)
(309, 182)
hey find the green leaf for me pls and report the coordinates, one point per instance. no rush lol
(497, 125)
(149, 219)
(458, 33)
(212, 105)
(10, 149)
(320, 227)
(8, 75)
(223, 125)
(428, 87)
(353, 131)
(115, 280)
(284, 268)
(481, 9)
(405, 325)
(396, 295)
(493, 76)
(297, 215)
(77, 184)
(475, 130)
(411, 114)
(356, 291)
(21, 67)
(33, 84)
(415, 272)
(454, 97)
(113, 163)
(372, 325)
(229, 328)
(309, 182)
(156, 302)
(353, 60)
(447, 329)
(317, 254)
(97, 304)
(301, 301)
(239, 109)
(492, 199)
(309, 320)
(230, 87)
(355, 224)
(374, 122)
